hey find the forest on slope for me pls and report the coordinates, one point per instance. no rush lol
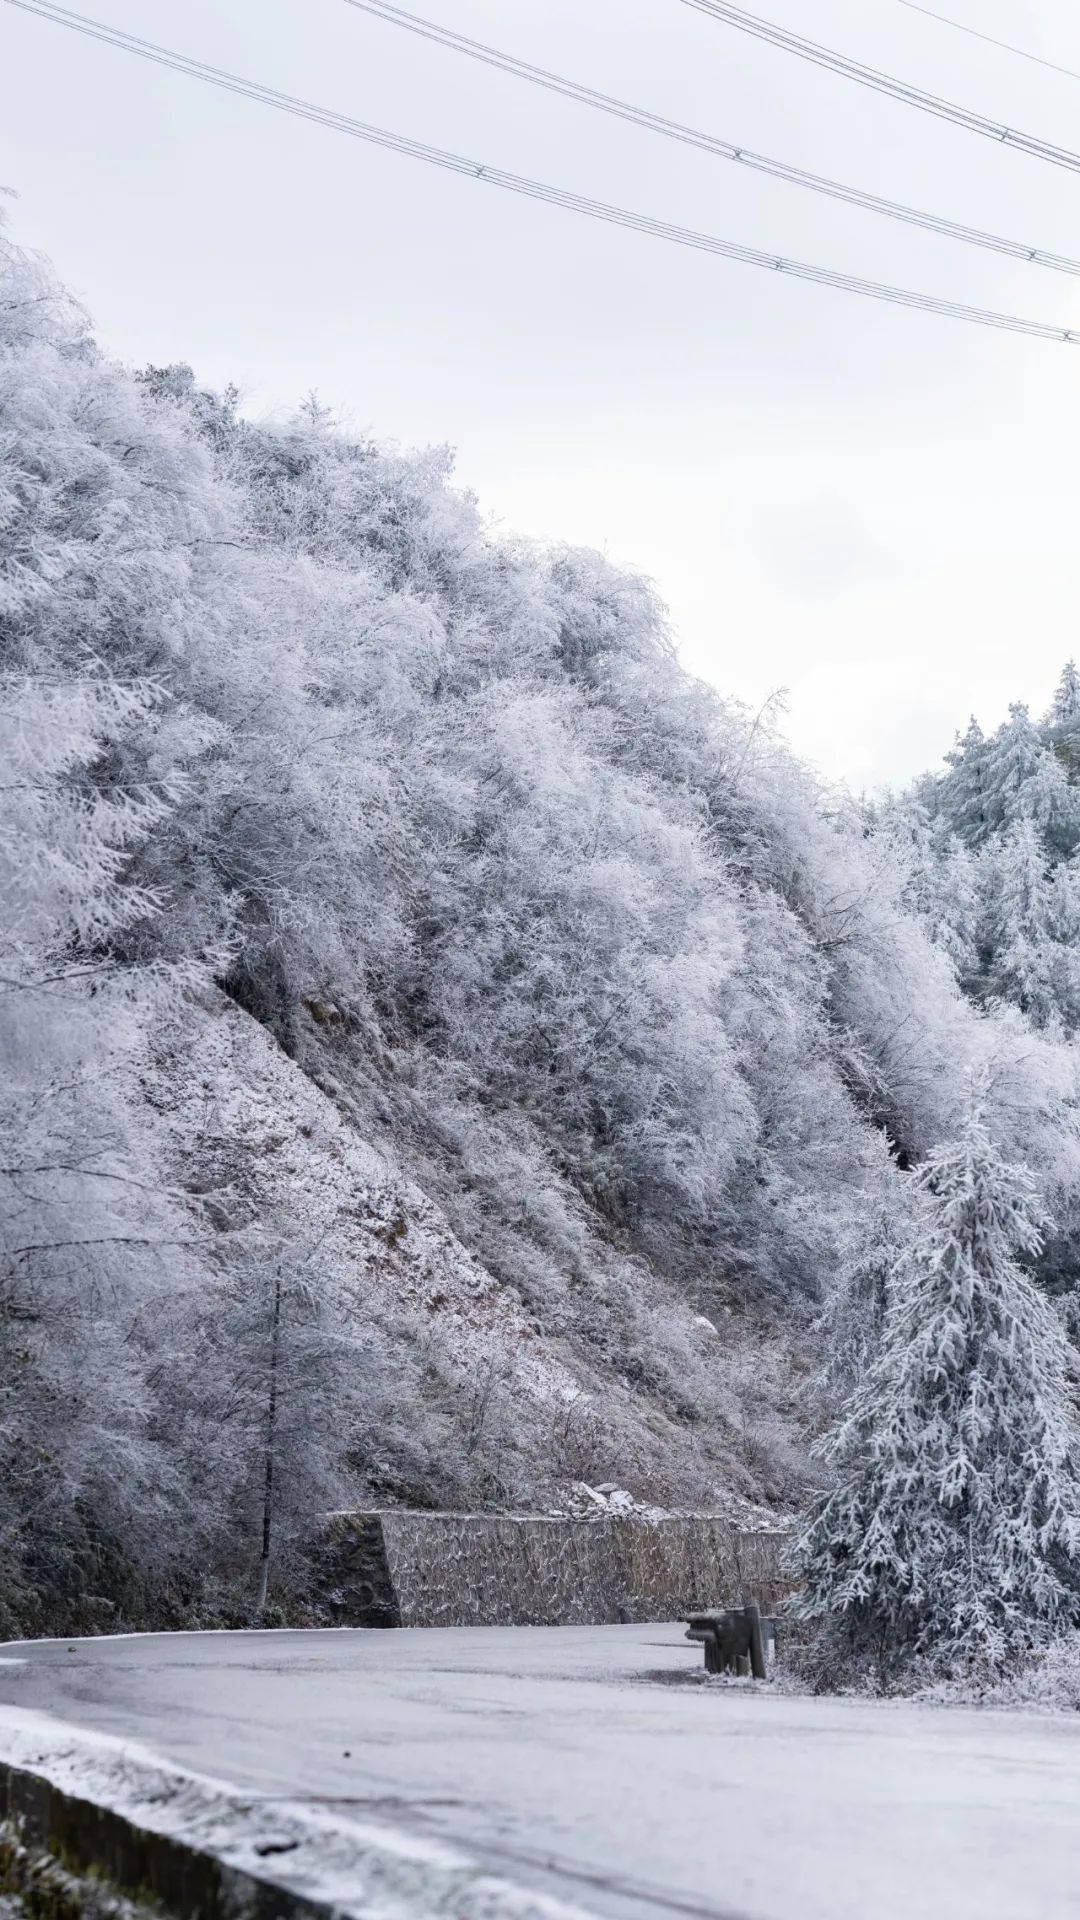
(433, 1022)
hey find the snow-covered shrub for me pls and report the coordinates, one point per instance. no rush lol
(1050, 1678)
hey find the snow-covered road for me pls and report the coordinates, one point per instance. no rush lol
(597, 1763)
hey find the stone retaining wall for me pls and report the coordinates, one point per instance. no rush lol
(399, 1568)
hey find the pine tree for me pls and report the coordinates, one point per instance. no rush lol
(1025, 780)
(961, 795)
(1062, 724)
(1065, 705)
(857, 1302)
(1013, 775)
(1020, 924)
(1013, 758)
(952, 1537)
(944, 892)
(1065, 922)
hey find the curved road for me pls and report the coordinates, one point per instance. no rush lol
(598, 1763)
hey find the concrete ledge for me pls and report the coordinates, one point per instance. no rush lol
(90, 1825)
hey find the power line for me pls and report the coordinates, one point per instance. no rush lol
(886, 83)
(708, 142)
(977, 34)
(537, 189)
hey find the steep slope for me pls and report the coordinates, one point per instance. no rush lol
(471, 1395)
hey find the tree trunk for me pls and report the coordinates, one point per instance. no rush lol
(268, 1475)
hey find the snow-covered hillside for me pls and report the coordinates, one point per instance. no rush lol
(472, 1393)
(451, 1051)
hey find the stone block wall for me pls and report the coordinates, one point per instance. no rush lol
(401, 1568)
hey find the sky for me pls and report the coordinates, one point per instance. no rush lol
(870, 508)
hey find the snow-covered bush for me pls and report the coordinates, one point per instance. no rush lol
(1050, 1678)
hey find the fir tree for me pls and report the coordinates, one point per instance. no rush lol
(1020, 924)
(961, 796)
(1065, 922)
(1013, 757)
(1062, 724)
(1025, 780)
(946, 897)
(952, 1536)
(857, 1302)
(1013, 775)
(1065, 705)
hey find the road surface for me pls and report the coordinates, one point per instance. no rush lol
(598, 1763)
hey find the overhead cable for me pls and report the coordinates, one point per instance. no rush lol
(709, 142)
(977, 33)
(885, 83)
(537, 189)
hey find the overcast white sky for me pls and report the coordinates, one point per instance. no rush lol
(874, 509)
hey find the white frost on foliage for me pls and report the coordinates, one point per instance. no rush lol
(252, 1140)
(952, 1536)
(247, 1132)
(645, 1021)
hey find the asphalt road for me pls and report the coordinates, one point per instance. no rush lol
(597, 1762)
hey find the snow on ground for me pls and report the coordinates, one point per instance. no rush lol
(361, 1870)
(598, 1765)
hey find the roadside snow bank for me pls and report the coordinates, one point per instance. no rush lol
(154, 1828)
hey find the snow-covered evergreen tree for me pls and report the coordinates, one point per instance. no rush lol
(993, 782)
(1061, 726)
(962, 794)
(952, 1535)
(1014, 757)
(1020, 922)
(857, 1300)
(942, 877)
(990, 873)
(1064, 708)
(1025, 780)
(1065, 925)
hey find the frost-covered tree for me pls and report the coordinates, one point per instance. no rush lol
(858, 1298)
(94, 1273)
(1061, 726)
(1064, 708)
(88, 1270)
(1015, 755)
(1065, 923)
(941, 878)
(83, 1238)
(989, 850)
(278, 1385)
(963, 793)
(1021, 916)
(993, 782)
(951, 1536)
